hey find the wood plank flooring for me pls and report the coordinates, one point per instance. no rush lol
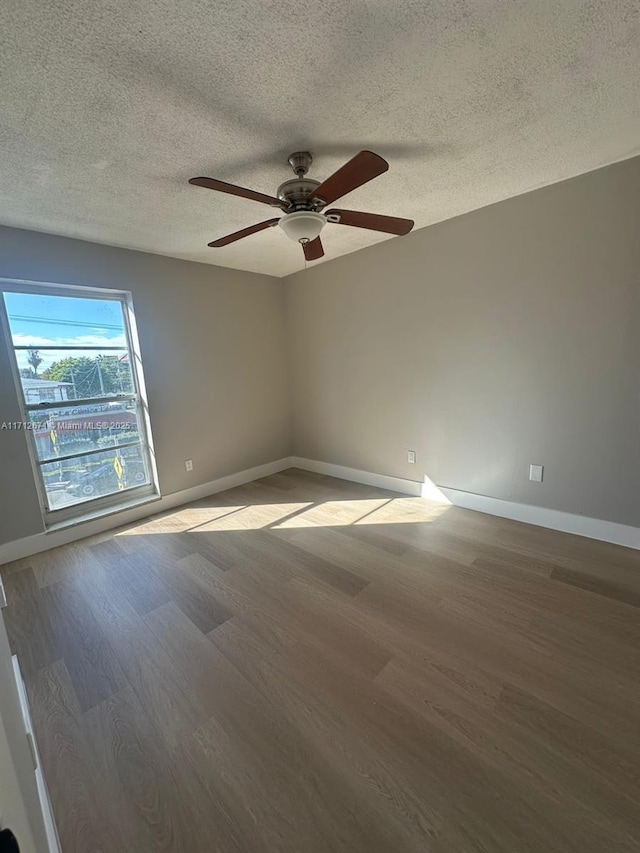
(306, 664)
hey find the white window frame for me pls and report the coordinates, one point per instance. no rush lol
(93, 507)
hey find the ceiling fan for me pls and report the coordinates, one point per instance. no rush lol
(301, 199)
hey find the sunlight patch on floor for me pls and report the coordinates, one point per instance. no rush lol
(254, 517)
(181, 520)
(400, 510)
(334, 513)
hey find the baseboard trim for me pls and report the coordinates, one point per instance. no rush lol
(579, 525)
(553, 519)
(30, 545)
(368, 478)
(565, 522)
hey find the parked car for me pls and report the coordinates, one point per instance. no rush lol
(102, 479)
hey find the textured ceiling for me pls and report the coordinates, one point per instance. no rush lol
(109, 106)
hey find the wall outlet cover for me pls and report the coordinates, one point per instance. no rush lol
(411, 456)
(536, 472)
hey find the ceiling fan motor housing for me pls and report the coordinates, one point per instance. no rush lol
(296, 192)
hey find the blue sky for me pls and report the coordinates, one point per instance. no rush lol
(44, 320)
(58, 317)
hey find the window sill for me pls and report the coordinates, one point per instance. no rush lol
(95, 514)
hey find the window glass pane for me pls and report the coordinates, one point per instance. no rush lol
(41, 319)
(70, 348)
(73, 374)
(77, 429)
(86, 478)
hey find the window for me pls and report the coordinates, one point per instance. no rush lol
(81, 385)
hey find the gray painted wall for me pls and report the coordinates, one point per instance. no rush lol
(503, 337)
(213, 347)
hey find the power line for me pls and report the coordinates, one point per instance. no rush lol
(80, 323)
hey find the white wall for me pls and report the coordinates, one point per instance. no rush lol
(503, 337)
(213, 347)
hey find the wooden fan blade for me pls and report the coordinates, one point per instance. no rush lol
(388, 224)
(358, 171)
(238, 235)
(313, 249)
(232, 189)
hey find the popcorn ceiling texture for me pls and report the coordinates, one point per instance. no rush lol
(109, 106)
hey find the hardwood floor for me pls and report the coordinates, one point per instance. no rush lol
(306, 664)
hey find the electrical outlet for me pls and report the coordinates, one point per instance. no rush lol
(411, 456)
(189, 464)
(536, 472)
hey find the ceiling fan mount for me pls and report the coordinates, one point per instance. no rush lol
(302, 199)
(300, 162)
(296, 192)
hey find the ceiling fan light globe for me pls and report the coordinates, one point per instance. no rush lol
(303, 226)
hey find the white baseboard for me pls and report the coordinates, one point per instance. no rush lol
(579, 525)
(566, 522)
(382, 481)
(593, 528)
(20, 548)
